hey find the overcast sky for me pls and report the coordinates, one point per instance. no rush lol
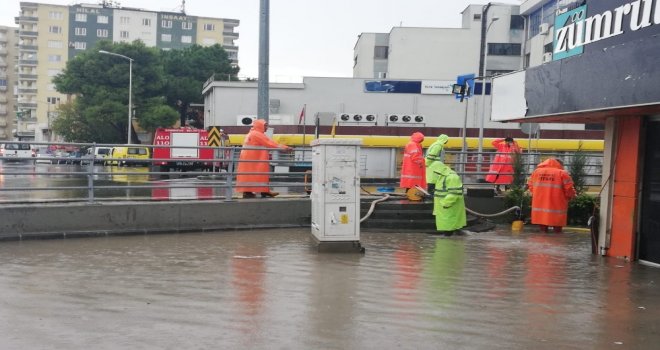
(307, 37)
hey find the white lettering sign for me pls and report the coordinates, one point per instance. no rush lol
(437, 87)
(640, 13)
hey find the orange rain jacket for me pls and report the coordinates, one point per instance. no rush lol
(551, 187)
(413, 170)
(255, 138)
(502, 166)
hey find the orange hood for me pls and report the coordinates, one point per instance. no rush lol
(417, 137)
(551, 163)
(259, 125)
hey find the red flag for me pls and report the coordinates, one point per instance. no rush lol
(302, 115)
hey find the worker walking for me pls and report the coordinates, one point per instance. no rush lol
(501, 169)
(433, 160)
(256, 161)
(413, 169)
(552, 188)
(448, 201)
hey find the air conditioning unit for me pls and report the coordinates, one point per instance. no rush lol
(280, 119)
(544, 28)
(405, 119)
(357, 119)
(245, 120)
(547, 57)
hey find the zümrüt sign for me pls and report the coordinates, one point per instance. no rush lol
(585, 25)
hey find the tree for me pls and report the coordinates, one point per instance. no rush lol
(186, 71)
(156, 115)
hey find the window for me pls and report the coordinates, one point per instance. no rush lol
(517, 22)
(186, 25)
(504, 49)
(209, 26)
(102, 19)
(102, 33)
(547, 48)
(81, 17)
(55, 15)
(380, 52)
(53, 100)
(146, 22)
(186, 39)
(54, 72)
(166, 24)
(3, 82)
(54, 58)
(55, 29)
(124, 20)
(123, 34)
(166, 37)
(476, 17)
(55, 44)
(78, 45)
(81, 31)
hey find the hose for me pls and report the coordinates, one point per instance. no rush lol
(492, 215)
(387, 196)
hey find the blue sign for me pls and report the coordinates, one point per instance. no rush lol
(462, 80)
(569, 33)
(393, 86)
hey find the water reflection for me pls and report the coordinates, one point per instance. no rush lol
(268, 289)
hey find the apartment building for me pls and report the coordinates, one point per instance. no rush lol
(50, 35)
(8, 40)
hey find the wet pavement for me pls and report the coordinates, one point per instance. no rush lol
(269, 289)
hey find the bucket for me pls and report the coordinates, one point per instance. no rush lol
(517, 225)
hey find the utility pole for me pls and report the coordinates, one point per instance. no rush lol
(262, 84)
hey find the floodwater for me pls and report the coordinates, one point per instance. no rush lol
(269, 289)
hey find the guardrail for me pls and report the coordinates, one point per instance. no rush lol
(57, 173)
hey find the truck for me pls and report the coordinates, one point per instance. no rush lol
(175, 158)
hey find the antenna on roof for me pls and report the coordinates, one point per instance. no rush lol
(183, 6)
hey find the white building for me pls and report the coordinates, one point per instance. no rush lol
(402, 79)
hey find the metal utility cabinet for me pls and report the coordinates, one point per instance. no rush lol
(336, 194)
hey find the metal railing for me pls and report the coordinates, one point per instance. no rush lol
(66, 172)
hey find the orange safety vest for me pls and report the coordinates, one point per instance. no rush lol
(551, 187)
(413, 170)
(255, 138)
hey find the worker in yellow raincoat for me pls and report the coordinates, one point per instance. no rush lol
(448, 201)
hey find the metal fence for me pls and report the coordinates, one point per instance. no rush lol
(65, 172)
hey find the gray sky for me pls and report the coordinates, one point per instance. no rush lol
(307, 37)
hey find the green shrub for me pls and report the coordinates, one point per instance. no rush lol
(577, 170)
(581, 208)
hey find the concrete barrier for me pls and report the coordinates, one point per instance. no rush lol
(44, 221)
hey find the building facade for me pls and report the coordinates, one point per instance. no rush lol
(50, 35)
(8, 81)
(598, 64)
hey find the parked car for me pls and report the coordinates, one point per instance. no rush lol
(17, 152)
(96, 154)
(130, 155)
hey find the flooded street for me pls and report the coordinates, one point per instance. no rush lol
(269, 289)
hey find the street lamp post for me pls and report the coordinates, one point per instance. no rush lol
(483, 95)
(130, 90)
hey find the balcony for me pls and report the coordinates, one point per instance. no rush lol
(27, 91)
(28, 19)
(232, 35)
(3, 64)
(27, 33)
(3, 87)
(27, 76)
(27, 62)
(231, 22)
(26, 104)
(28, 47)
(3, 111)
(3, 99)
(230, 47)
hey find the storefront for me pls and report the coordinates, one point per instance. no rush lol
(604, 69)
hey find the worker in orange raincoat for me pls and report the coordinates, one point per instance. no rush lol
(552, 188)
(256, 138)
(413, 169)
(501, 169)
